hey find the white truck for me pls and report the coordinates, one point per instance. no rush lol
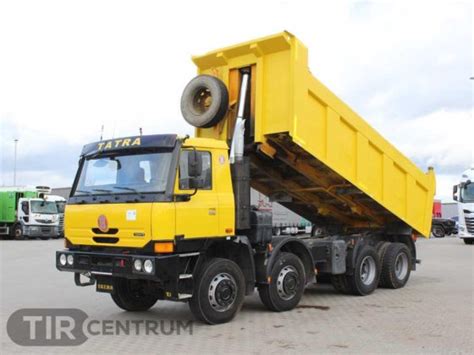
(60, 205)
(464, 194)
(284, 221)
(25, 213)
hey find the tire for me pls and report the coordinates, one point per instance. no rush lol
(366, 275)
(340, 283)
(468, 241)
(287, 284)
(204, 101)
(438, 231)
(396, 266)
(18, 232)
(133, 295)
(218, 291)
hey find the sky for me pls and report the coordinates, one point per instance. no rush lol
(67, 68)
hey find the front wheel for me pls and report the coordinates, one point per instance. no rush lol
(468, 241)
(133, 295)
(219, 291)
(287, 284)
(438, 231)
(18, 232)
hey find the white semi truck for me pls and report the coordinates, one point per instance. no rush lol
(464, 194)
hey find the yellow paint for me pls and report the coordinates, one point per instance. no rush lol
(209, 213)
(289, 99)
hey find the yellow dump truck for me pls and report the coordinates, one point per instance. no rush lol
(163, 217)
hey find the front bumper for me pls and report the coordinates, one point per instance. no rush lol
(166, 268)
(40, 231)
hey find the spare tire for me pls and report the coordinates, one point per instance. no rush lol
(204, 101)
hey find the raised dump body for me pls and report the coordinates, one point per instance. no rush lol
(309, 150)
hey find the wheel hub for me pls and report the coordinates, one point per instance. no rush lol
(287, 282)
(202, 100)
(401, 266)
(367, 270)
(222, 292)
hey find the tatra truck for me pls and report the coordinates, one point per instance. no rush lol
(25, 213)
(464, 194)
(162, 217)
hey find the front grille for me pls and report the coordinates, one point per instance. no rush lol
(45, 221)
(470, 224)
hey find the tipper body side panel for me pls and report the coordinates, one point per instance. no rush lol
(316, 156)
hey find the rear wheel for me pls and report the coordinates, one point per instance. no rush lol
(287, 284)
(219, 291)
(396, 266)
(133, 295)
(468, 241)
(438, 231)
(365, 277)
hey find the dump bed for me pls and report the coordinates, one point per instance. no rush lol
(309, 150)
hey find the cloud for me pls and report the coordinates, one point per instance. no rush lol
(68, 68)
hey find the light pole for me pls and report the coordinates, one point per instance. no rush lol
(14, 163)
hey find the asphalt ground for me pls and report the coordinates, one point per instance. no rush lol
(434, 313)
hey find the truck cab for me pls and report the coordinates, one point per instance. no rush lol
(151, 192)
(37, 218)
(464, 194)
(61, 206)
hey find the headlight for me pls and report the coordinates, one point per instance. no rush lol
(70, 259)
(62, 259)
(35, 229)
(137, 264)
(148, 266)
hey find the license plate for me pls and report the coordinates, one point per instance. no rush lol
(104, 287)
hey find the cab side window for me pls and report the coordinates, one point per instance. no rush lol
(205, 179)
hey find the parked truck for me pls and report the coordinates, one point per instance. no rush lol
(60, 205)
(163, 217)
(284, 221)
(464, 194)
(25, 213)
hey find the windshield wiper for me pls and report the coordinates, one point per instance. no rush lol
(126, 188)
(83, 192)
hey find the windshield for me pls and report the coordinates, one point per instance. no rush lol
(123, 174)
(467, 193)
(43, 207)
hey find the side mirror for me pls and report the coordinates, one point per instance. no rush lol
(195, 183)
(455, 192)
(194, 164)
(25, 208)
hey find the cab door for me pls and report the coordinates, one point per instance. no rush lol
(197, 217)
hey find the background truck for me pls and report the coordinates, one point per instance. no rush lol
(163, 217)
(464, 194)
(284, 221)
(24, 213)
(61, 206)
